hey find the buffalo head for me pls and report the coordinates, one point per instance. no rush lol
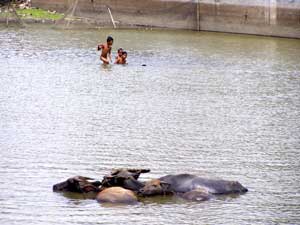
(236, 187)
(126, 178)
(155, 187)
(78, 184)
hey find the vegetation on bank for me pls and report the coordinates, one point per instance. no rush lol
(39, 14)
(33, 13)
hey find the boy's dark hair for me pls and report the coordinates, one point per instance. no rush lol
(109, 38)
(120, 49)
(124, 53)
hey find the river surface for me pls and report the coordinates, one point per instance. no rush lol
(215, 105)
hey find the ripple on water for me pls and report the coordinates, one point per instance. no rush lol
(215, 105)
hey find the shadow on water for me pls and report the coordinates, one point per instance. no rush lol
(77, 196)
(168, 199)
(106, 67)
(156, 200)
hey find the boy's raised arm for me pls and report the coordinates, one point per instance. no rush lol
(99, 47)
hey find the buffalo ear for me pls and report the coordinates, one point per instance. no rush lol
(138, 170)
(145, 170)
(114, 172)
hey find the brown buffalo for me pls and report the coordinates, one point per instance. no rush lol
(155, 187)
(117, 195)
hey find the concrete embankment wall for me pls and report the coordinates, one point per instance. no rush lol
(262, 17)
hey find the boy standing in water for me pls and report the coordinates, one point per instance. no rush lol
(106, 50)
(119, 56)
(124, 57)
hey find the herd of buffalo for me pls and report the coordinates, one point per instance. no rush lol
(123, 186)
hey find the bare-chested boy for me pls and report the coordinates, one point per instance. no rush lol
(124, 57)
(119, 56)
(106, 50)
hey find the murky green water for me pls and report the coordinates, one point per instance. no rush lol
(216, 105)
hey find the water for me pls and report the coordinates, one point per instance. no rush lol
(216, 105)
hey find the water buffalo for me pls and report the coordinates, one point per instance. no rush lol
(155, 187)
(184, 183)
(117, 195)
(198, 194)
(126, 178)
(78, 184)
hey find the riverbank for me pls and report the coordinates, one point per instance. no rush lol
(258, 17)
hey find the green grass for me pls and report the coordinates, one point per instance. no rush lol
(39, 14)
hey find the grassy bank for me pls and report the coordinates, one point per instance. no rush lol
(38, 14)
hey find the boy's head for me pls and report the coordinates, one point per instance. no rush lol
(124, 55)
(120, 52)
(109, 41)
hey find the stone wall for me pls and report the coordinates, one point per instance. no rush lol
(263, 17)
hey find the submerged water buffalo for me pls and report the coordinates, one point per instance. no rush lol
(185, 183)
(198, 194)
(78, 184)
(126, 178)
(117, 195)
(187, 186)
(112, 189)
